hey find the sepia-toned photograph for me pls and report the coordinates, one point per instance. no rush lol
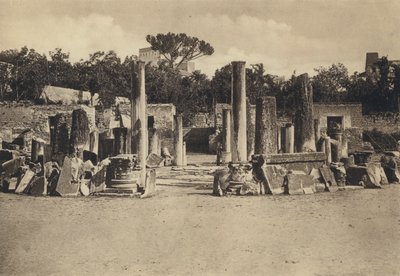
(200, 137)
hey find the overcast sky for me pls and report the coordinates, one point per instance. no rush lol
(284, 35)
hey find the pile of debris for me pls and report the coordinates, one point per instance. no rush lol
(74, 176)
(258, 177)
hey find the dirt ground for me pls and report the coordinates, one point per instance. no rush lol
(184, 230)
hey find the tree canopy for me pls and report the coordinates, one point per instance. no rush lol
(179, 48)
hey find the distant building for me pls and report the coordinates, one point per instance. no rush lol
(149, 56)
(153, 57)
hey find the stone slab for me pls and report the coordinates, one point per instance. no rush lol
(327, 176)
(299, 184)
(13, 181)
(24, 185)
(37, 186)
(98, 181)
(150, 185)
(65, 185)
(275, 178)
(154, 160)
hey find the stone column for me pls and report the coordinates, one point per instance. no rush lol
(138, 111)
(120, 135)
(178, 140)
(289, 138)
(226, 136)
(59, 135)
(279, 139)
(251, 128)
(327, 149)
(239, 120)
(79, 132)
(317, 130)
(304, 125)
(184, 156)
(266, 127)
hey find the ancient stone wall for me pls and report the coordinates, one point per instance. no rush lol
(351, 113)
(16, 117)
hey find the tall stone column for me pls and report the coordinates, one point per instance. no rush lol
(266, 127)
(251, 128)
(178, 141)
(138, 111)
(226, 136)
(289, 138)
(304, 124)
(239, 118)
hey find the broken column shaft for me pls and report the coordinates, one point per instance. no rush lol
(304, 124)
(178, 141)
(79, 132)
(138, 111)
(239, 118)
(120, 135)
(266, 127)
(226, 136)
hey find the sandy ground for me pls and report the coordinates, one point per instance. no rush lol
(186, 231)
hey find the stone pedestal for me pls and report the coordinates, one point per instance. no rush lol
(266, 128)
(239, 116)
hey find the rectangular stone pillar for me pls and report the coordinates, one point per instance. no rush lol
(266, 126)
(289, 138)
(139, 117)
(154, 142)
(303, 121)
(239, 116)
(178, 141)
(226, 136)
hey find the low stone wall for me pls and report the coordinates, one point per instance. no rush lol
(304, 161)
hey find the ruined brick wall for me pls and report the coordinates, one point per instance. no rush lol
(16, 117)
